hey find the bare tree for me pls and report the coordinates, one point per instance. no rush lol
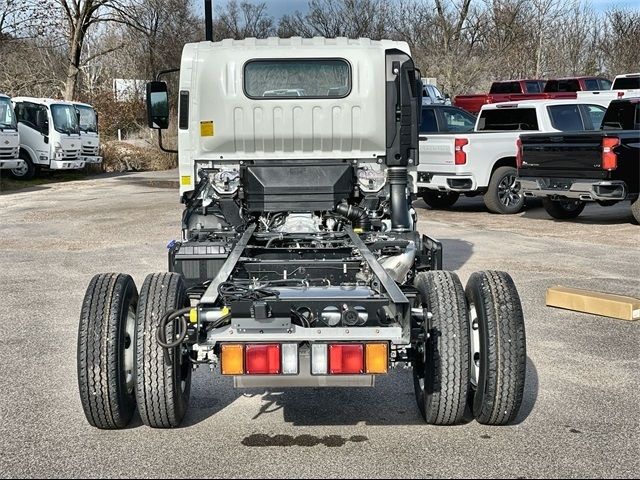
(243, 20)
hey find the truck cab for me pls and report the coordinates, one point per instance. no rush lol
(49, 135)
(9, 137)
(88, 121)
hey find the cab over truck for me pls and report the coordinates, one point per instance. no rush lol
(569, 169)
(90, 138)
(9, 137)
(299, 263)
(49, 136)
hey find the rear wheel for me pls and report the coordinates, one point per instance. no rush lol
(503, 194)
(163, 378)
(635, 209)
(106, 351)
(26, 171)
(563, 209)
(436, 199)
(498, 347)
(441, 357)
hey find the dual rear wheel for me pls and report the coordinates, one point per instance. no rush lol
(120, 363)
(472, 355)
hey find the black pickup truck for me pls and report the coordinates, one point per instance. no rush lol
(568, 169)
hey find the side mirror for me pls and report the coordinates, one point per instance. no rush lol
(45, 127)
(157, 105)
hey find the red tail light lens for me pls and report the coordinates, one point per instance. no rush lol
(519, 153)
(262, 359)
(346, 359)
(460, 154)
(609, 157)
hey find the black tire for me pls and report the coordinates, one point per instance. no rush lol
(496, 397)
(635, 209)
(441, 361)
(106, 357)
(503, 194)
(163, 381)
(27, 172)
(563, 209)
(438, 200)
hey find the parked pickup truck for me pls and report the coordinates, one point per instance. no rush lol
(623, 86)
(517, 90)
(483, 162)
(569, 169)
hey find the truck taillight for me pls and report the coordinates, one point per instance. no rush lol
(346, 359)
(609, 157)
(518, 153)
(460, 155)
(262, 359)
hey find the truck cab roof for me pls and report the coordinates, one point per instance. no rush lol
(41, 101)
(542, 103)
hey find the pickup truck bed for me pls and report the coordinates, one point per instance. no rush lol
(568, 169)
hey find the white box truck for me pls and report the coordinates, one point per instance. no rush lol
(88, 119)
(9, 137)
(49, 135)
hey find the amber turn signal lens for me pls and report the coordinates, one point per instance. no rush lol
(232, 362)
(377, 358)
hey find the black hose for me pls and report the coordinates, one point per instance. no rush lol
(172, 316)
(358, 216)
(400, 216)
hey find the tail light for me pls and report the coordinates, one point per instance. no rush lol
(460, 154)
(518, 153)
(346, 359)
(609, 157)
(232, 362)
(262, 359)
(377, 358)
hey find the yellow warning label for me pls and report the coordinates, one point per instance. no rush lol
(207, 129)
(185, 180)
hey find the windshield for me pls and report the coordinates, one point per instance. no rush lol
(7, 117)
(88, 119)
(65, 119)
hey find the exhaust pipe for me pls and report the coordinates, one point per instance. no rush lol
(208, 21)
(400, 216)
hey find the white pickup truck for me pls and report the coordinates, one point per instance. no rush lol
(623, 86)
(483, 162)
(9, 138)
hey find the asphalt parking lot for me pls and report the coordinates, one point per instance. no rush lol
(580, 413)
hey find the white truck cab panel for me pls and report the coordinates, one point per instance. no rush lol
(89, 134)
(9, 137)
(49, 132)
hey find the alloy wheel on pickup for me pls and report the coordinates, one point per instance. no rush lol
(503, 195)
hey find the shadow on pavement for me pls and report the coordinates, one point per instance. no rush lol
(455, 253)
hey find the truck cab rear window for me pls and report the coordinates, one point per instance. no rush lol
(566, 118)
(313, 78)
(508, 119)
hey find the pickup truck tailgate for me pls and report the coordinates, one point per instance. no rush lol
(437, 150)
(576, 155)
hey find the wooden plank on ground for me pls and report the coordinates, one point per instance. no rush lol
(597, 303)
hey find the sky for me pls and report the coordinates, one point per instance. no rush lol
(277, 8)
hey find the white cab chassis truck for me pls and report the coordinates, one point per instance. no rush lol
(88, 123)
(483, 162)
(9, 137)
(299, 264)
(49, 135)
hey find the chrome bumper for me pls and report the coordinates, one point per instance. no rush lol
(585, 190)
(11, 164)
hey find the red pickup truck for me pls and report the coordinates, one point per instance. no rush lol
(514, 90)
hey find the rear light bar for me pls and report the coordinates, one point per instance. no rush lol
(609, 157)
(518, 153)
(460, 156)
(326, 359)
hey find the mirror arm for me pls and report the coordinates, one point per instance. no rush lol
(166, 72)
(167, 150)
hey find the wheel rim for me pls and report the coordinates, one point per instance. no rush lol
(129, 362)
(474, 374)
(509, 190)
(21, 171)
